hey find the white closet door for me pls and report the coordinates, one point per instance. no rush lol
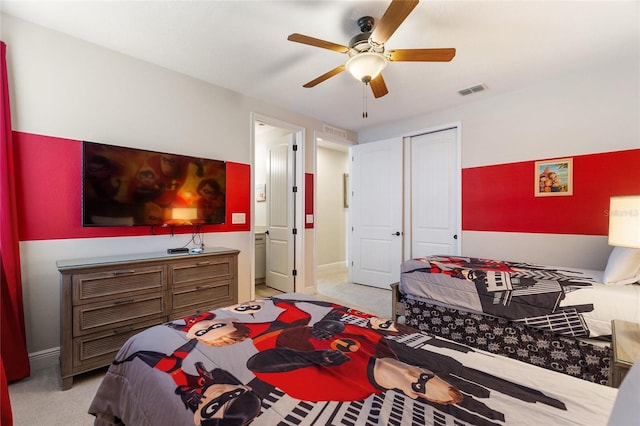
(376, 213)
(435, 194)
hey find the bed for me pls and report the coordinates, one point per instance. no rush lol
(297, 360)
(568, 307)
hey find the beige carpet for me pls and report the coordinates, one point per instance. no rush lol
(39, 400)
(333, 283)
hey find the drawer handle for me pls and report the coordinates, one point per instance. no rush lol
(123, 301)
(203, 287)
(122, 329)
(131, 271)
(203, 263)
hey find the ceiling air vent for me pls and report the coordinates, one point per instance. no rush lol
(334, 131)
(472, 89)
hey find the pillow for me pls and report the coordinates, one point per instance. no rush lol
(623, 266)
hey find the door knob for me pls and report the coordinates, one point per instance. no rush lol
(397, 234)
(266, 232)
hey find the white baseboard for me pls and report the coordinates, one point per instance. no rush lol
(330, 266)
(44, 359)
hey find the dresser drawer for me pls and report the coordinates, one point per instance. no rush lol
(206, 269)
(205, 293)
(100, 348)
(198, 309)
(113, 283)
(118, 313)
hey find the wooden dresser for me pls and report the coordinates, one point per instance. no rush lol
(106, 300)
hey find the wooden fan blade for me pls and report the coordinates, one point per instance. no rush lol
(421, 55)
(299, 38)
(378, 86)
(395, 14)
(325, 76)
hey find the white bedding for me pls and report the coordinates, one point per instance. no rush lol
(610, 302)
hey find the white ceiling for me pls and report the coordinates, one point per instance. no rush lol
(242, 45)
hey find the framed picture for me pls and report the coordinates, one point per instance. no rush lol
(553, 177)
(261, 192)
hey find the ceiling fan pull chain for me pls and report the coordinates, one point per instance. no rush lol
(364, 101)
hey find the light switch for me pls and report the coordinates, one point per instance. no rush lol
(309, 218)
(238, 218)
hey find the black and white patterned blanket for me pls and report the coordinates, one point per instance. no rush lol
(564, 301)
(515, 340)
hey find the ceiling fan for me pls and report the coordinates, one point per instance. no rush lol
(367, 56)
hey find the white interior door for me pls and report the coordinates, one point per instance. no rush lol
(435, 193)
(280, 218)
(376, 216)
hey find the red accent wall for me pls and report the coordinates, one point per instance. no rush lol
(308, 199)
(49, 179)
(501, 197)
(494, 198)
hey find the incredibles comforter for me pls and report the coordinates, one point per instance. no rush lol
(295, 360)
(566, 301)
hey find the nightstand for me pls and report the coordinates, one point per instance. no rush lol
(626, 349)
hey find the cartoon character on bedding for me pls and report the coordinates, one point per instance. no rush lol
(292, 354)
(335, 357)
(287, 312)
(464, 268)
(348, 361)
(215, 396)
(212, 331)
(336, 353)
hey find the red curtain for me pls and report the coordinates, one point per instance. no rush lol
(6, 415)
(13, 348)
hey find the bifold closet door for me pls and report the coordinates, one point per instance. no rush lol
(376, 212)
(435, 194)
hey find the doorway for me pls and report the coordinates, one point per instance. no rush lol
(331, 207)
(277, 207)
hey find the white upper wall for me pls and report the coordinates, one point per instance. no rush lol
(65, 87)
(596, 110)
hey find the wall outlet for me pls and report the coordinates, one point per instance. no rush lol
(238, 218)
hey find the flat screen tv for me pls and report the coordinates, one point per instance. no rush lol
(127, 187)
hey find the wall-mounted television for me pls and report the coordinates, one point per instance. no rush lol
(127, 187)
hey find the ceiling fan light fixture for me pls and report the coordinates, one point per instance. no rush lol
(366, 66)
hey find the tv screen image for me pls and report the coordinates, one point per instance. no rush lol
(126, 187)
